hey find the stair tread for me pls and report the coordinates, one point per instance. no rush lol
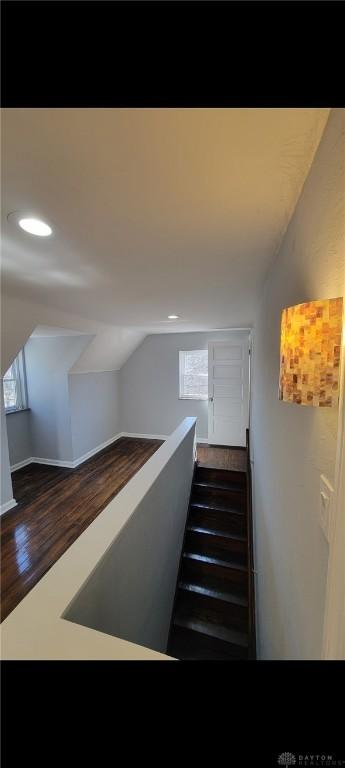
(216, 594)
(199, 655)
(215, 532)
(229, 563)
(219, 486)
(213, 474)
(217, 508)
(233, 471)
(215, 631)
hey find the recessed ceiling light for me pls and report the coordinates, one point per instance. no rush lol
(173, 317)
(35, 227)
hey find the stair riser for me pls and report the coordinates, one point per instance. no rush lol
(225, 521)
(215, 546)
(205, 475)
(186, 643)
(230, 576)
(213, 610)
(216, 497)
(212, 582)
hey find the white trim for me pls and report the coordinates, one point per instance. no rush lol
(96, 370)
(39, 460)
(193, 397)
(9, 411)
(75, 463)
(145, 436)
(68, 464)
(8, 505)
(52, 462)
(98, 448)
(333, 646)
(157, 437)
(21, 464)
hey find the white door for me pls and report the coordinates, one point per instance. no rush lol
(228, 392)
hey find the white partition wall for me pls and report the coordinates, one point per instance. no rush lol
(131, 592)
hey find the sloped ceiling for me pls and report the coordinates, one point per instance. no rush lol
(154, 212)
(107, 349)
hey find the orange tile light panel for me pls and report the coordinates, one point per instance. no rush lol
(310, 346)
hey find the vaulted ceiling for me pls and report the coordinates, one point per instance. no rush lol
(154, 211)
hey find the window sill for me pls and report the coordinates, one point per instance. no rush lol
(200, 399)
(17, 410)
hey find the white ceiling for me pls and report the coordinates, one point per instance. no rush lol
(154, 211)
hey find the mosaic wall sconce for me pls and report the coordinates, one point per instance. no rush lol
(310, 353)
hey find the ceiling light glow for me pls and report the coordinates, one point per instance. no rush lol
(173, 317)
(35, 227)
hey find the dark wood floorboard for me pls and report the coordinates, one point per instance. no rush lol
(221, 457)
(55, 506)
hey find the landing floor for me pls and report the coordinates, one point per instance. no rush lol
(221, 457)
(55, 506)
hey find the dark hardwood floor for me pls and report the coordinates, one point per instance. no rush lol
(221, 457)
(54, 507)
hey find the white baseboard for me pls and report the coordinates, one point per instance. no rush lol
(39, 460)
(157, 437)
(67, 464)
(21, 464)
(98, 448)
(8, 505)
(144, 436)
(75, 463)
(52, 462)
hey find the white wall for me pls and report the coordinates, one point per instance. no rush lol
(19, 436)
(293, 444)
(6, 483)
(150, 384)
(94, 409)
(47, 363)
(69, 415)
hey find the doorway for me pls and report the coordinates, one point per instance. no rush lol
(228, 391)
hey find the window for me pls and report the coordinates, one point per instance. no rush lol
(15, 397)
(194, 375)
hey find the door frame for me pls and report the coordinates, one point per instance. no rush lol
(250, 332)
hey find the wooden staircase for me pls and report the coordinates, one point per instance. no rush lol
(213, 613)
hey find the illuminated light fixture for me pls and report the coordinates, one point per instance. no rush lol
(35, 227)
(173, 317)
(310, 353)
